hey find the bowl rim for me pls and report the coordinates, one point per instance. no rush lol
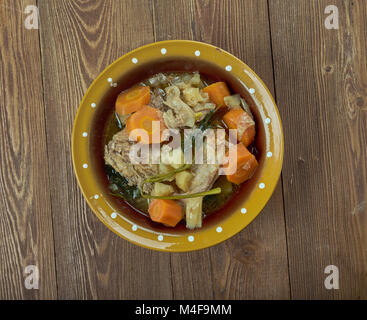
(257, 83)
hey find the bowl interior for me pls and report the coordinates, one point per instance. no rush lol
(105, 109)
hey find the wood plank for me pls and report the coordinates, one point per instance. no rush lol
(321, 85)
(253, 264)
(25, 214)
(79, 39)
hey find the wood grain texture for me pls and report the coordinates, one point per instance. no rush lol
(79, 39)
(26, 235)
(321, 85)
(321, 90)
(253, 264)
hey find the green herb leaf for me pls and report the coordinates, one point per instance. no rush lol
(164, 176)
(205, 123)
(119, 185)
(184, 196)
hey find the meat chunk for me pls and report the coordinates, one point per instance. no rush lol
(204, 177)
(206, 173)
(117, 155)
(157, 100)
(180, 114)
(193, 96)
(208, 106)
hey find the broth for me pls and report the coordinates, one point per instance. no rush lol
(105, 125)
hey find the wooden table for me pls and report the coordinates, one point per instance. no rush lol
(316, 217)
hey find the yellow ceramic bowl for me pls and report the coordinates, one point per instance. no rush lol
(98, 104)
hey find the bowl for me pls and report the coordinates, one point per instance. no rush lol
(98, 105)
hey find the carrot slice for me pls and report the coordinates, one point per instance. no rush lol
(245, 163)
(132, 100)
(241, 121)
(143, 119)
(168, 212)
(217, 91)
(249, 135)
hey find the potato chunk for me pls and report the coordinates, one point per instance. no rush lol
(165, 168)
(233, 102)
(183, 180)
(162, 189)
(172, 157)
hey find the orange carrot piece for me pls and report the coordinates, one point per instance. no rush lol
(143, 119)
(132, 100)
(168, 212)
(241, 121)
(217, 91)
(245, 163)
(248, 136)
